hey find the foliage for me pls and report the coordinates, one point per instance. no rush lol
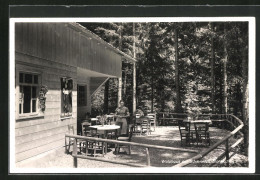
(42, 98)
(156, 69)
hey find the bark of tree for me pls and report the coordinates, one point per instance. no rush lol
(152, 88)
(225, 108)
(119, 96)
(124, 84)
(177, 78)
(245, 98)
(134, 72)
(212, 66)
(125, 76)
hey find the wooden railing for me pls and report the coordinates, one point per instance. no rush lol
(146, 146)
(164, 118)
(237, 126)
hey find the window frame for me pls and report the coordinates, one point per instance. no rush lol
(31, 85)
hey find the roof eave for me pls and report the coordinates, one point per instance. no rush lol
(87, 32)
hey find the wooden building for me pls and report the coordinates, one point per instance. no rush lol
(71, 63)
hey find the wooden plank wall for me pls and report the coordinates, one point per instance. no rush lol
(59, 42)
(43, 133)
(42, 50)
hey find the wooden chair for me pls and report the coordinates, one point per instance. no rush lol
(114, 134)
(127, 138)
(152, 120)
(85, 130)
(146, 127)
(93, 145)
(70, 140)
(185, 132)
(89, 144)
(110, 119)
(137, 124)
(202, 133)
(137, 115)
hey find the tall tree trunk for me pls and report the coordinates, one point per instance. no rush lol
(119, 96)
(106, 94)
(177, 78)
(245, 98)
(134, 73)
(152, 86)
(125, 77)
(212, 67)
(225, 106)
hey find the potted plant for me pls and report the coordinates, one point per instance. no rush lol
(42, 98)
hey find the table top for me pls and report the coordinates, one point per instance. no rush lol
(94, 119)
(105, 127)
(198, 121)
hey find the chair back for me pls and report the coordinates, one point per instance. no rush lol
(152, 116)
(71, 129)
(145, 120)
(201, 127)
(110, 118)
(184, 125)
(85, 130)
(137, 115)
(145, 124)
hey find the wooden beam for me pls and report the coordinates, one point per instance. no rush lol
(131, 143)
(227, 153)
(108, 160)
(100, 86)
(148, 157)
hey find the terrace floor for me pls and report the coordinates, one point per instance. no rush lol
(163, 136)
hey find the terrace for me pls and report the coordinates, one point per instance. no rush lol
(151, 150)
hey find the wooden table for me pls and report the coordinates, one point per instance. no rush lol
(198, 121)
(105, 129)
(94, 121)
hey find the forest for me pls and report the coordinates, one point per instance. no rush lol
(191, 67)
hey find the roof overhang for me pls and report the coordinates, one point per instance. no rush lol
(89, 34)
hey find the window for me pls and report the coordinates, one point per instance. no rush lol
(66, 96)
(28, 85)
(82, 90)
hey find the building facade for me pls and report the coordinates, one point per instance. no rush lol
(58, 66)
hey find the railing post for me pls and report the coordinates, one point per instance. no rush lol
(74, 152)
(163, 119)
(227, 154)
(66, 151)
(148, 157)
(155, 121)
